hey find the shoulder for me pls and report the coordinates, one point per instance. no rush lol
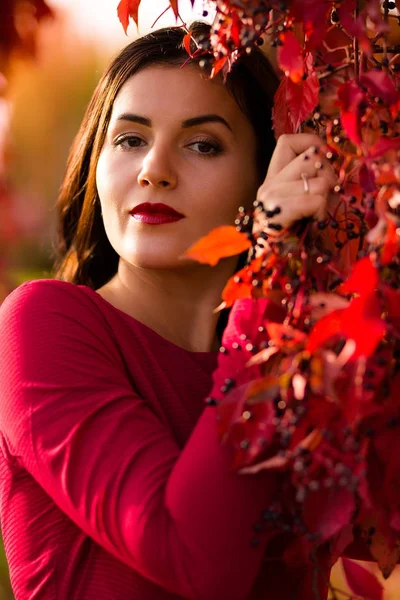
(49, 296)
(58, 310)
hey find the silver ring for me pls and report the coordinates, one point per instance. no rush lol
(304, 177)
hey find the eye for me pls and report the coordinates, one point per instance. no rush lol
(206, 147)
(129, 142)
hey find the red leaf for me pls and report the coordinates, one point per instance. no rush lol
(294, 102)
(387, 175)
(340, 542)
(392, 487)
(361, 581)
(219, 243)
(218, 66)
(174, 5)
(327, 511)
(351, 126)
(126, 9)
(363, 314)
(350, 97)
(284, 335)
(385, 554)
(366, 178)
(381, 85)
(290, 57)
(324, 330)
(186, 43)
(259, 430)
(358, 26)
(383, 145)
(235, 29)
(247, 413)
(313, 15)
(282, 121)
(362, 280)
(392, 303)
(391, 244)
(234, 290)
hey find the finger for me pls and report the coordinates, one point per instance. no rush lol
(284, 194)
(313, 164)
(307, 206)
(288, 147)
(292, 205)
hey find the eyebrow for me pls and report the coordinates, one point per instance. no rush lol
(200, 120)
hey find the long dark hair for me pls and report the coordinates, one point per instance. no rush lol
(82, 252)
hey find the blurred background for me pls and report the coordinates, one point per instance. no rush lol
(48, 71)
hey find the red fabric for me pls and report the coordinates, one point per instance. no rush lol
(113, 485)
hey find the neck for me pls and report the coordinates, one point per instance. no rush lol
(177, 304)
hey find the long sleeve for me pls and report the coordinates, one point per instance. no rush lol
(72, 418)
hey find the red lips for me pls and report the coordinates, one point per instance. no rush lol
(155, 209)
(155, 214)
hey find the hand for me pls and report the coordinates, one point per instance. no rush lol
(298, 184)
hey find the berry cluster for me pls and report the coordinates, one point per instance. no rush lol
(316, 395)
(312, 392)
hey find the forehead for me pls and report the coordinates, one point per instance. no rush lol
(176, 92)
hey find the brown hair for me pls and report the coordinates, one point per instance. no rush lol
(83, 253)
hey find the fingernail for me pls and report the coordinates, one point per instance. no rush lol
(271, 213)
(275, 226)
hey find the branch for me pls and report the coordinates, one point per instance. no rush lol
(339, 68)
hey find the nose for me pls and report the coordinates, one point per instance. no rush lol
(157, 170)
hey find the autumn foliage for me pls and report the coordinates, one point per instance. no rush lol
(321, 402)
(19, 22)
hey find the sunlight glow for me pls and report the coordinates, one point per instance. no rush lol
(102, 24)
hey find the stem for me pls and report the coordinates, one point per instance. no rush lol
(335, 271)
(339, 68)
(345, 48)
(393, 59)
(162, 14)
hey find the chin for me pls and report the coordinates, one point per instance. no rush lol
(156, 254)
(162, 264)
(156, 260)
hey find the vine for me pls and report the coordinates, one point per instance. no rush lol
(318, 398)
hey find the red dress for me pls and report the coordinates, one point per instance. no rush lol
(113, 485)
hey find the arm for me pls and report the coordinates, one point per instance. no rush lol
(179, 518)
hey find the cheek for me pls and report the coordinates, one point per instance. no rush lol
(109, 178)
(237, 188)
(102, 180)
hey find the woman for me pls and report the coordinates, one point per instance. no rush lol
(113, 483)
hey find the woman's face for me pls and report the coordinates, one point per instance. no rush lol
(180, 140)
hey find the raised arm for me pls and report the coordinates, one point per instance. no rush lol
(68, 411)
